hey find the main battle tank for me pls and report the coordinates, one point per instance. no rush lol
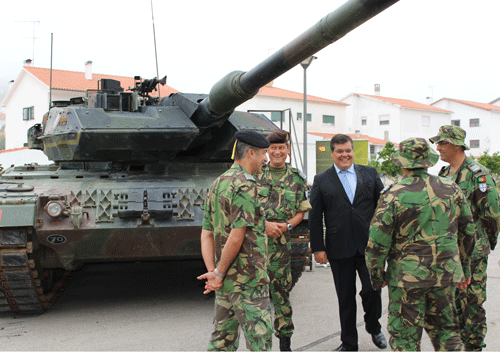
(131, 172)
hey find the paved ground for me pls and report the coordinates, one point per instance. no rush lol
(160, 307)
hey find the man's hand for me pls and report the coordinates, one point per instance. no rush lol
(320, 257)
(464, 284)
(274, 230)
(213, 282)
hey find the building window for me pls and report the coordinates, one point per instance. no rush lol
(426, 121)
(275, 116)
(299, 116)
(364, 121)
(455, 122)
(474, 143)
(329, 119)
(473, 122)
(373, 154)
(384, 119)
(28, 113)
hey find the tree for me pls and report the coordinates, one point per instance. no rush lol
(492, 163)
(384, 163)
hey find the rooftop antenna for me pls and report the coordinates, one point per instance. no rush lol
(34, 37)
(154, 38)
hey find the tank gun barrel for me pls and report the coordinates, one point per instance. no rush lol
(238, 87)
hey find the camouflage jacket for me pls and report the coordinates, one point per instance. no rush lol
(281, 200)
(232, 203)
(480, 191)
(423, 228)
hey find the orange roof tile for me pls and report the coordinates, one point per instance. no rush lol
(14, 149)
(372, 140)
(283, 93)
(405, 103)
(76, 81)
(485, 106)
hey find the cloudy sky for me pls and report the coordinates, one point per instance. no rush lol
(414, 49)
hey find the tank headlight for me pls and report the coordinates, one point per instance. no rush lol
(54, 209)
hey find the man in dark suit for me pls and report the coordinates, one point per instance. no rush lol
(346, 196)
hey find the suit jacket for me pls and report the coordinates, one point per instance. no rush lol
(347, 224)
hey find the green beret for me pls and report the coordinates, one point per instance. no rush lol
(279, 136)
(252, 138)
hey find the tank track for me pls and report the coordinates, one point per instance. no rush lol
(21, 284)
(300, 251)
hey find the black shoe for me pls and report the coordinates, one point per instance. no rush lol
(285, 344)
(379, 340)
(343, 348)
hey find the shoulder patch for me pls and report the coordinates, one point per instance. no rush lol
(249, 177)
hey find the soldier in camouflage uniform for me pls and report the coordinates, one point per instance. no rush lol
(480, 191)
(423, 229)
(234, 248)
(282, 192)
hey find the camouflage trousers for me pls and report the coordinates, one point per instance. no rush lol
(433, 308)
(469, 301)
(249, 310)
(280, 276)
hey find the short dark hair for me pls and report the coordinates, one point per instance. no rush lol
(339, 139)
(242, 149)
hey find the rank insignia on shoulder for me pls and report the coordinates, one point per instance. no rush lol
(483, 187)
(249, 177)
(302, 175)
(474, 168)
(384, 190)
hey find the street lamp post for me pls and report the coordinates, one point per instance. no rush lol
(305, 64)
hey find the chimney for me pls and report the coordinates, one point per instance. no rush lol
(357, 134)
(428, 100)
(88, 70)
(377, 89)
(28, 62)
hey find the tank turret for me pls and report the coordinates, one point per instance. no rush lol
(132, 171)
(113, 124)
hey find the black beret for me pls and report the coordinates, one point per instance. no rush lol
(252, 138)
(279, 136)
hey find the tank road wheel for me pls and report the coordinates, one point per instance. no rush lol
(300, 251)
(25, 285)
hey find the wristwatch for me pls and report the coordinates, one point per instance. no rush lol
(217, 272)
(288, 226)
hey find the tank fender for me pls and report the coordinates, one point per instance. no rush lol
(17, 211)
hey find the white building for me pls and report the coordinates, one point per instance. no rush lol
(323, 115)
(393, 119)
(479, 120)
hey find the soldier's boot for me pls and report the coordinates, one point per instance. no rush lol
(285, 344)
